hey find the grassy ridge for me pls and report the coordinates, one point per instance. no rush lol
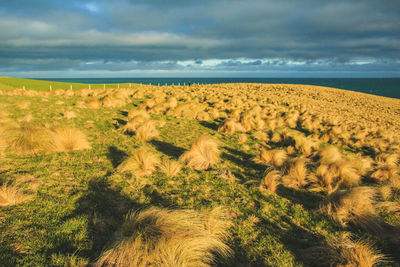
(7, 83)
(80, 198)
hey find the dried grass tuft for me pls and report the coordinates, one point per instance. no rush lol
(170, 168)
(203, 154)
(355, 206)
(270, 181)
(29, 139)
(275, 157)
(146, 131)
(162, 237)
(141, 163)
(296, 176)
(68, 139)
(11, 195)
(329, 155)
(342, 250)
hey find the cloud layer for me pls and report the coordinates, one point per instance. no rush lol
(200, 38)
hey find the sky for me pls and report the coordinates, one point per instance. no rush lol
(207, 38)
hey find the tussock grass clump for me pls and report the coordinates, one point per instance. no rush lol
(203, 154)
(384, 173)
(296, 176)
(341, 250)
(355, 206)
(329, 155)
(162, 237)
(11, 195)
(146, 131)
(275, 157)
(29, 139)
(141, 163)
(69, 114)
(170, 168)
(324, 180)
(93, 103)
(231, 126)
(270, 181)
(68, 139)
(242, 138)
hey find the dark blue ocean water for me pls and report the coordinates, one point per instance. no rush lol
(389, 87)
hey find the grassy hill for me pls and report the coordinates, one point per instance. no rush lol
(301, 178)
(7, 83)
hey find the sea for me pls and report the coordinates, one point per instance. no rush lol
(389, 87)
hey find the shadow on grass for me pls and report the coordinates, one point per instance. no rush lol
(167, 148)
(105, 209)
(307, 199)
(242, 159)
(115, 155)
(210, 124)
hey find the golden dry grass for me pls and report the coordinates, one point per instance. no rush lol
(203, 154)
(231, 126)
(11, 195)
(270, 181)
(329, 155)
(170, 168)
(69, 114)
(296, 176)
(68, 139)
(342, 250)
(274, 157)
(146, 131)
(162, 237)
(140, 163)
(324, 180)
(356, 206)
(29, 139)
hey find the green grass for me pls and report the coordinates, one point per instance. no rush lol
(7, 83)
(81, 200)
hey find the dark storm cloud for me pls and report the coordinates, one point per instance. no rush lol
(198, 36)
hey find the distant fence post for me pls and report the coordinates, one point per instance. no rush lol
(90, 87)
(70, 87)
(50, 87)
(165, 84)
(158, 84)
(118, 86)
(23, 87)
(104, 86)
(130, 85)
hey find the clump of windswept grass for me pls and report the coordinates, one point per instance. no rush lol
(348, 174)
(270, 181)
(162, 237)
(203, 154)
(275, 157)
(170, 168)
(146, 131)
(231, 126)
(11, 195)
(329, 155)
(93, 103)
(384, 173)
(242, 138)
(69, 114)
(355, 206)
(141, 162)
(29, 139)
(68, 139)
(296, 176)
(341, 250)
(324, 180)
